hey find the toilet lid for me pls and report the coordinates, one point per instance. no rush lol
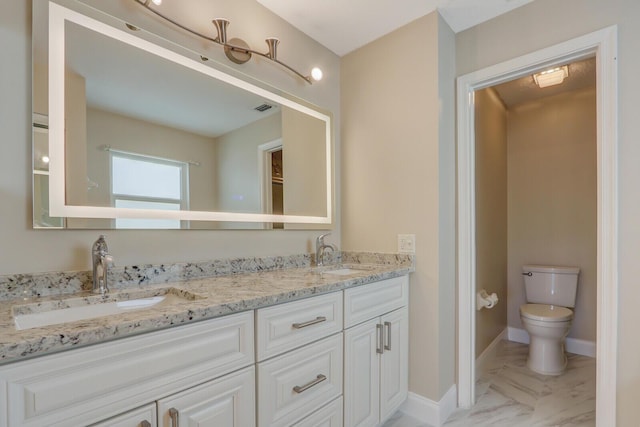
(545, 312)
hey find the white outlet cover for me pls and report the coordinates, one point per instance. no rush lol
(407, 243)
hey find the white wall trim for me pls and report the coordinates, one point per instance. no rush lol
(431, 412)
(489, 353)
(602, 44)
(572, 345)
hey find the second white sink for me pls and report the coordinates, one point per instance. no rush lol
(345, 271)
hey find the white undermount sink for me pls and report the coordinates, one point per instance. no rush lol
(35, 315)
(344, 271)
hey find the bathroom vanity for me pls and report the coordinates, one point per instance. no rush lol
(281, 348)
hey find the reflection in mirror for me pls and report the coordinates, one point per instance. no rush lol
(40, 161)
(148, 138)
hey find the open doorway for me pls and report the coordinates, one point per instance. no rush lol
(602, 45)
(271, 171)
(535, 204)
(277, 184)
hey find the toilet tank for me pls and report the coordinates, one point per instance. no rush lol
(546, 284)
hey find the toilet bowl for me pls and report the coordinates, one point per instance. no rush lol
(550, 291)
(548, 326)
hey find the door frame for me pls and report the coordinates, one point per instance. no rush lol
(264, 172)
(602, 44)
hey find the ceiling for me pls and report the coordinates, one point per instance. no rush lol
(345, 25)
(582, 74)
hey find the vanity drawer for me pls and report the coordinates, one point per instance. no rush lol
(93, 383)
(286, 326)
(327, 416)
(366, 302)
(297, 383)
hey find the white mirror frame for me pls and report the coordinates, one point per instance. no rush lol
(58, 207)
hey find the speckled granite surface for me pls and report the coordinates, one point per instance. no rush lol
(264, 283)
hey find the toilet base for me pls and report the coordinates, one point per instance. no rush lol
(546, 356)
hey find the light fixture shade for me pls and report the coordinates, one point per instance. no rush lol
(272, 42)
(551, 77)
(221, 26)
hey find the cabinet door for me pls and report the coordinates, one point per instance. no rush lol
(362, 374)
(141, 417)
(394, 362)
(226, 402)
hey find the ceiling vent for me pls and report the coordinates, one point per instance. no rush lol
(264, 107)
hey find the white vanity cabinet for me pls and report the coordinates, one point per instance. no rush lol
(331, 360)
(375, 351)
(307, 371)
(93, 384)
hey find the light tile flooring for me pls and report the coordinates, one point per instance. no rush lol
(511, 395)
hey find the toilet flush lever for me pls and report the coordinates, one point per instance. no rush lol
(528, 273)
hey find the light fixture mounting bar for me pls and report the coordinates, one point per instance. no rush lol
(270, 55)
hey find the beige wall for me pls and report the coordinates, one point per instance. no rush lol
(396, 170)
(76, 139)
(491, 213)
(547, 22)
(552, 197)
(141, 137)
(237, 177)
(25, 250)
(304, 165)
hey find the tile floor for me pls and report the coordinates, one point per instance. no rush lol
(510, 395)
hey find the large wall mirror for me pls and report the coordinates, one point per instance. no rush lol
(132, 132)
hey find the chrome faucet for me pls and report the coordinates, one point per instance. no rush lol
(321, 248)
(101, 263)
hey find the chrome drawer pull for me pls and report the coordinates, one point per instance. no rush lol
(145, 423)
(387, 345)
(318, 380)
(173, 414)
(318, 319)
(379, 339)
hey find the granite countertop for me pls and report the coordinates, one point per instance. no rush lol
(202, 298)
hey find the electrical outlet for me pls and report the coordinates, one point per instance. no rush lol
(407, 243)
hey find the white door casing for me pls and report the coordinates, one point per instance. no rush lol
(602, 44)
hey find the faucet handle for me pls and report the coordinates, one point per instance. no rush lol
(107, 260)
(320, 238)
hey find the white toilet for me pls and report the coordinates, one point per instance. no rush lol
(550, 290)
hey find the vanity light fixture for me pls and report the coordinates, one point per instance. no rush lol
(236, 50)
(551, 77)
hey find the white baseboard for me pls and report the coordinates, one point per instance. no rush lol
(572, 345)
(431, 412)
(489, 352)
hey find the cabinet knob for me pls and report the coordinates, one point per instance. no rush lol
(174, 415)
(379, 339)
(145, 423)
